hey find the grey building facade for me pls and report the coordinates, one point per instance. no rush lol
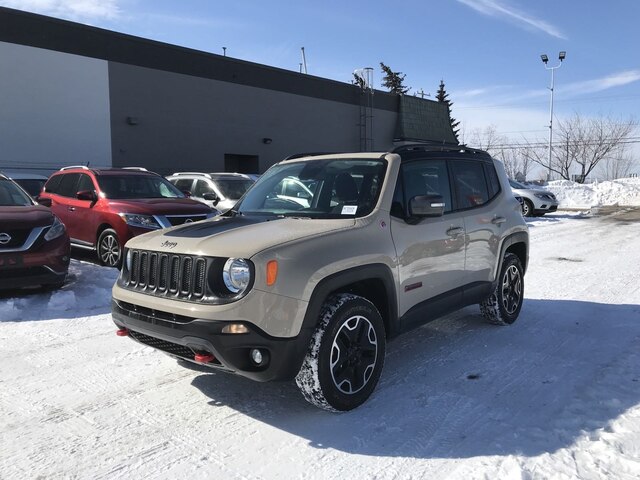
(76, 95)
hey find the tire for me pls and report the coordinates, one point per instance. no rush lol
(109, 249)
(342, 366)
(527, 208)
(504, 304)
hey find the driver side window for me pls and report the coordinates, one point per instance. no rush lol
(422, 177)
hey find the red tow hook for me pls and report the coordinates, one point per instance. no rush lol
(122, 332)
(204, 358)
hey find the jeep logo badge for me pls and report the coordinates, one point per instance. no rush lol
(168, 244)
(4, 238)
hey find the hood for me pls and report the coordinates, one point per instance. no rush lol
(25, 217)
(239, 236)
(159, 206)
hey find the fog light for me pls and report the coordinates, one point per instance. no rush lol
(256, 356)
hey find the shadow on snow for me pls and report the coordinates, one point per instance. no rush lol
(460, 388)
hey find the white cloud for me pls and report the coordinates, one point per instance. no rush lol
(604, 83)
(69, 9)
(499, 8)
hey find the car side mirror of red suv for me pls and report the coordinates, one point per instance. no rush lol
(89, 195)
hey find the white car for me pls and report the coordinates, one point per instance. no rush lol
(536, 201)
(218, 190)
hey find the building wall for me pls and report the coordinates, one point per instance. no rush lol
(54, 109)
(168, 121)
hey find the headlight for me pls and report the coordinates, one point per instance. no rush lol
(236, 275)
(142, 221)
(56, 229)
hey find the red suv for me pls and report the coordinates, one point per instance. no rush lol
(34, 245)
(103, 208)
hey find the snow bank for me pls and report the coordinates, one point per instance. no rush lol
(622, 192)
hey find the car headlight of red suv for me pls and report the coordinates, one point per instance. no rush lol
(141, 221)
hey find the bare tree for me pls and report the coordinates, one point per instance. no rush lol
(619, 165)
(581, 143)
(517, 162)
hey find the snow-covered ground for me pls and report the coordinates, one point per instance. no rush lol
(622, 192)
(556, 395)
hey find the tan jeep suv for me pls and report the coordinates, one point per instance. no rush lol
(277, 289)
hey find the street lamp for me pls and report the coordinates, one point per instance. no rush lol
(561, 56)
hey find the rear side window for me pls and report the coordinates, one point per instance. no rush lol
(492, 179)
(470, 184)
(67, 187)
(52, 184)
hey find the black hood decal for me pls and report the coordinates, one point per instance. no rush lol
(216, 225)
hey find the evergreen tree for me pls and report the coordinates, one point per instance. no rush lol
(443, 97)
(393, 80)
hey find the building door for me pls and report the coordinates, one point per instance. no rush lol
(241, 163)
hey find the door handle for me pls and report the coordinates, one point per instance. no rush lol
(71, 209)
(498, 220)
(455, 231)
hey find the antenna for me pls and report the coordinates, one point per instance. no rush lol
(224, 51)
(304, 60)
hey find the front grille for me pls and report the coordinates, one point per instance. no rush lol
(169, 347)
(167, 275)
(18, 237)
(180, 219)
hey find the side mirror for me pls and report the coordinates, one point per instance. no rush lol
(211, 197)
(422, 206)
(45, 202)
(89, 195)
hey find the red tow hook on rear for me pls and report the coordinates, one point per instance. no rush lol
(204, 358)
(122, 332)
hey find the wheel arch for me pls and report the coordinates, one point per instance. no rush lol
(518, 244)
(374, 282)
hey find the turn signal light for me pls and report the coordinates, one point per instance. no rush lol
(235, 328)
(272, 272)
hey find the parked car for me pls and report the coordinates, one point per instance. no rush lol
(31, 183)
(218, 190)
(536, 201)
(276, 290)
(34, 245)
(103, 208)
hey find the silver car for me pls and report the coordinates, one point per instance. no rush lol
(536, 201)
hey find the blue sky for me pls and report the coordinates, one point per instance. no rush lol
(487, 51)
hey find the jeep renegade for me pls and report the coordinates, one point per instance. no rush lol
(278, 289)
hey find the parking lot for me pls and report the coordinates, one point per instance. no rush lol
(458, 398)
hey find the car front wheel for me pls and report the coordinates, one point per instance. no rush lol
(346, 354)
(527, 208)
(109, 250)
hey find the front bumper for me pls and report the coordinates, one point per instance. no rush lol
(46, 263)
(185, 337)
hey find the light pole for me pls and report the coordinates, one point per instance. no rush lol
(561, 56)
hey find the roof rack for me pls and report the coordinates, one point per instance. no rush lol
(2, 175)
(436, 147)
(142, 169)
(177, 174)
(84, 167)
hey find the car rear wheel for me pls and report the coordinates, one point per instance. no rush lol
(504, 304)
(345, 358)
(527, 208)
(109, 249)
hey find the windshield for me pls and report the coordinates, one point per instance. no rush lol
(317, 189)
(137, 186)
(233, 189)
(13, 196)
